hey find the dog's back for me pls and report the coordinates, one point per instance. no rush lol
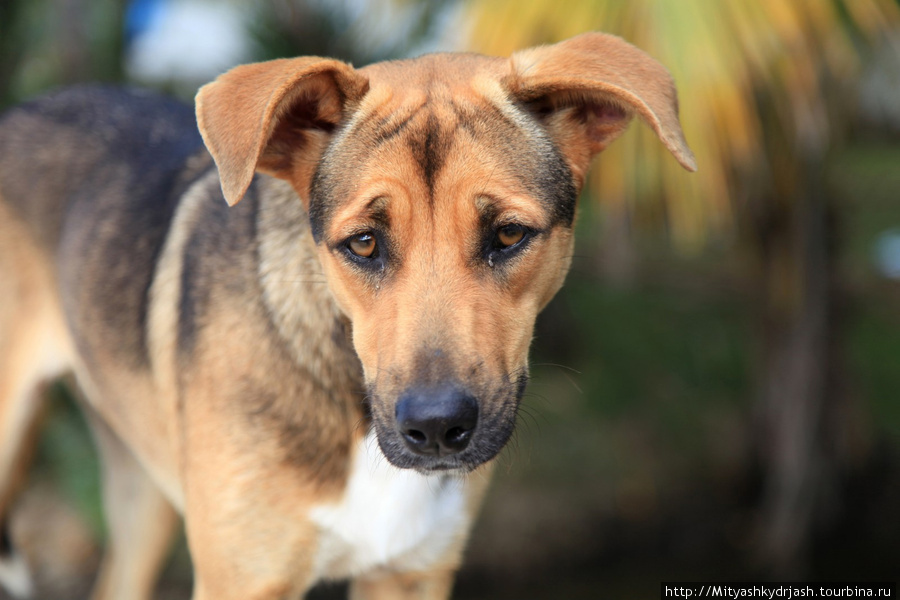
(73, 152)
(90, 178)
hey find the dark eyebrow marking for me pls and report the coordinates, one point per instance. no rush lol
(377, 210)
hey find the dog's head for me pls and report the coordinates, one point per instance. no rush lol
(441, 193)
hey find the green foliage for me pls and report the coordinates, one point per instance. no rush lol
(874, 345)
(45, 43)
(66, 456)
(657, 348)
(299, 27)
(868, 182)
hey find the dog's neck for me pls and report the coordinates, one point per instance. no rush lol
(300, 303)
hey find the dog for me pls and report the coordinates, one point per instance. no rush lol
(318, 378)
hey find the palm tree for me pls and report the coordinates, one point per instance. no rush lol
(762, 84)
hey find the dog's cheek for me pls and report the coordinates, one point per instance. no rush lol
(365, 344)
(558, 259)
(355, 301)
(336, 281)
(539, 275)
(523, 297)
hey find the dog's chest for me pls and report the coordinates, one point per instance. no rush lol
(389, 518)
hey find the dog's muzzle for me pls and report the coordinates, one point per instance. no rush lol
(445, 425)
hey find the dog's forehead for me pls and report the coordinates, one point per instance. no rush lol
(431, 96)
(455, 72)
(438, 118)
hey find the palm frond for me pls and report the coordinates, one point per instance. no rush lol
(724, 57)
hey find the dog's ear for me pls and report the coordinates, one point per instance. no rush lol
(587, 88)
(275, 117)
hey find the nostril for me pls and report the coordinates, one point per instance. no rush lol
(416, 436)
(457, 435)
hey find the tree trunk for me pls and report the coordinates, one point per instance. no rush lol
(799, 435)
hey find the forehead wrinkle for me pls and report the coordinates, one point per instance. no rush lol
(512, 140)
(382, 128)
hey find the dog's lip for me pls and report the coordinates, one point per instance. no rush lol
(425, 465)
(462, 463)
(450, 470)
(457, 463)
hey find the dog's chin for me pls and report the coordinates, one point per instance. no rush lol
(480, 450)
(427, 465)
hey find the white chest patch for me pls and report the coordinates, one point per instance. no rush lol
(388, 518)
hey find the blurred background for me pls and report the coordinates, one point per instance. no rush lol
(715, 390)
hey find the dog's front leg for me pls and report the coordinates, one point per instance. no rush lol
(432, 585)
(246, 510)
(248, 548)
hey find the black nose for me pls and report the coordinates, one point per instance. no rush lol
(437, 421)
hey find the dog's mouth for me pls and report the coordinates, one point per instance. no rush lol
(443, 427)
(486, 443)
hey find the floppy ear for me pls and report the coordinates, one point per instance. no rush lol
(275, 117)
(587, 88)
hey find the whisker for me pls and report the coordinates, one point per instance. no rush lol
(529, 418)
(574, 384)
(547, 364)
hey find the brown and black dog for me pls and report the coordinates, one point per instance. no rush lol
(318, 378)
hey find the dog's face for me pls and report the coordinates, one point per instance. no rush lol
(441, 195)
(451, 235)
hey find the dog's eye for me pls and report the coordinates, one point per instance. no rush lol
(363, 245)
(510, 235)
(507, 242)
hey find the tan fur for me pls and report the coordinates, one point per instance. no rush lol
(136, 509)
(412, 585)
(33, 349)
(263, 339)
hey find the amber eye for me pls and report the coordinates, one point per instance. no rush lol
(510, 235)
(363, 245)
